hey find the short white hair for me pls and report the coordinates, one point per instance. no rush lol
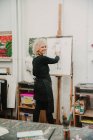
(38, 42)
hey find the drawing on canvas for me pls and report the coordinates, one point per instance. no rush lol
(62, 44)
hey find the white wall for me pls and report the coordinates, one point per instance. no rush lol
(90, 41)
(75, 23)
(8, 22)
(37, 19)
(5, 22)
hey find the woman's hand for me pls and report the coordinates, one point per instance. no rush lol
(57, 53)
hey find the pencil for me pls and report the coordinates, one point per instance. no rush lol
(51, 134)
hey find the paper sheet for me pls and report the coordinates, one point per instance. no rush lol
(3, 131)
(35, 133)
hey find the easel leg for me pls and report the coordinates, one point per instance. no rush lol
(58, 101)
(71, 92)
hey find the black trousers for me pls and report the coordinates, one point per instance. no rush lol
(40, 105)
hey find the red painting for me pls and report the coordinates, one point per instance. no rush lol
(5, 44)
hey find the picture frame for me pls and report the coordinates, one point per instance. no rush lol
(5, 45)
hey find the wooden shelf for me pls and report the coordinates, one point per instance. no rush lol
(28, 89)
(84, 90)
(88, 113)
(24, 87)
(87, 121)
(27, 107)
(5, 59)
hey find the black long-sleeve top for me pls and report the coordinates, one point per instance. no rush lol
(40, 66)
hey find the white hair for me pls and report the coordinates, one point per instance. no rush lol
(37, 44)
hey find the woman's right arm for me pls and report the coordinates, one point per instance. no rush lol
(49, 60)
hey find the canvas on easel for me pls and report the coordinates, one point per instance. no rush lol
(62, 44)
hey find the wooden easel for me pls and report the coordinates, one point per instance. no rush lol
(59, 33)
(58, 100)
(59, 77)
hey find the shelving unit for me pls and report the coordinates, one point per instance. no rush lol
(24, 109)
(86, 91)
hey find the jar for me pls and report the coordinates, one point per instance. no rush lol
(66, 133)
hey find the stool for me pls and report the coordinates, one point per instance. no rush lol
(42, 117)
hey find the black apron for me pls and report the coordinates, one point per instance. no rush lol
(44, 93)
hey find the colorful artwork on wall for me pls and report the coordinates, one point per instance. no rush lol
(5, 44)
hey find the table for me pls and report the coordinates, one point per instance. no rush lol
(15, 126)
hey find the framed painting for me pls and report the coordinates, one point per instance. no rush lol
(5, 45)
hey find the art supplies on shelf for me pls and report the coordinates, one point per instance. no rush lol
(81, 105)
(26, 116)
(83, 112)
(27, 98)
(26, 102)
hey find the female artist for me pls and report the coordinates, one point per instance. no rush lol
(43, 86)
